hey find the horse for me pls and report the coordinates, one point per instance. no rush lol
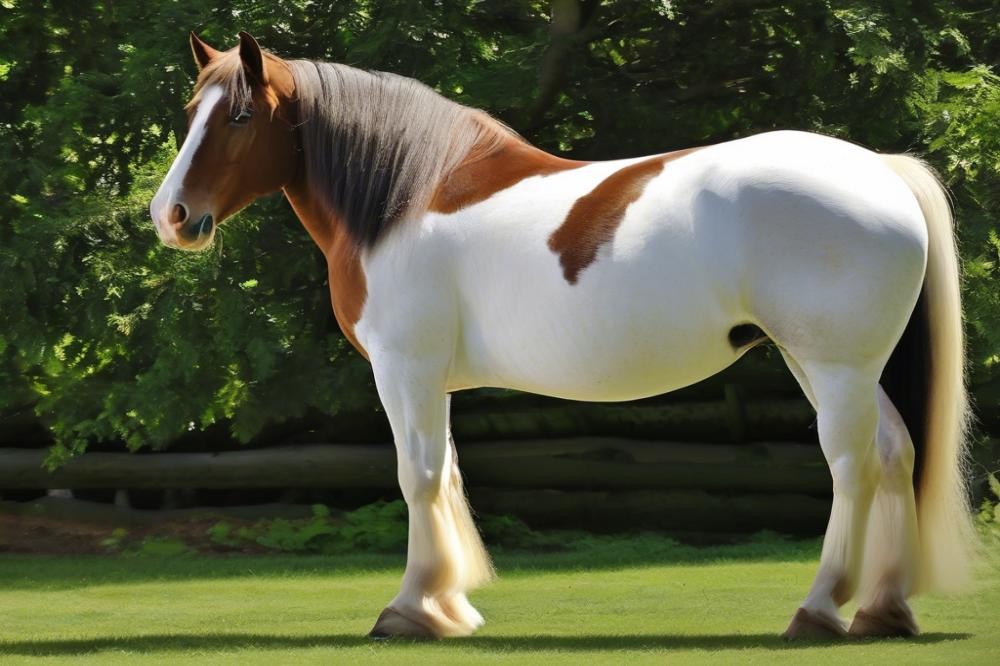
(461, 256)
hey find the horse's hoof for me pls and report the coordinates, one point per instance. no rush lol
(392, 623)
(892, 622)
(810, 625)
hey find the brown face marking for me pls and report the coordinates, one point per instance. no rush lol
(594, 218)
(235, 164)
(481, 177)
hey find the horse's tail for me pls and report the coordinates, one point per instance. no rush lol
(925, 379)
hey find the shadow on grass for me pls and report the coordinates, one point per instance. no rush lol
(597, 554)
(225, 642)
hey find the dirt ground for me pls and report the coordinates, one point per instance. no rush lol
(31, 534)
(70, 527)
(52, 536)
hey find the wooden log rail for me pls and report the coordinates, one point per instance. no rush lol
(576, 464)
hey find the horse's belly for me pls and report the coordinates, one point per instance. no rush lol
(598, 348)
(605, 375)
(652, 312)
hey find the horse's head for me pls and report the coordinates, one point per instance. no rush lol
(241, 142)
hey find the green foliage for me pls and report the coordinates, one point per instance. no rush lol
(109, 337)
(381, 527)
(378, 527)
(988, 518)
(161, 547)
(114, 542)
(118, 542)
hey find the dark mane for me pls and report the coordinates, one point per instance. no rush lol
(376, 145)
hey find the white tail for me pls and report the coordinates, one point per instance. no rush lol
(947, 537)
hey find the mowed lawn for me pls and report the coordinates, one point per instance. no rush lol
(647, 601)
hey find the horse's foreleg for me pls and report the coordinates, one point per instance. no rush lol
(892, 542)
(445, 556)
(847, 417)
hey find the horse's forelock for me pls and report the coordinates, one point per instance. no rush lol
(228, 72)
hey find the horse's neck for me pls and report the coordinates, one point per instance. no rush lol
(476, 179)
(322, 227)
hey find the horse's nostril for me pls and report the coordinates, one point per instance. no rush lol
(205, 224)
(178, 214)
(193, 230)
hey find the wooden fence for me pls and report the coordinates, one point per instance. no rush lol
(741, 456)
(603, 484)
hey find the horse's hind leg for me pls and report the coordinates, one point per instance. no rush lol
(892, 542)
(445, 556)
(847, 417)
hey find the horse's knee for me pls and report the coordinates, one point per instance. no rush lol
(897, 457)
(895, 448)
(421, 483)
(854, 474)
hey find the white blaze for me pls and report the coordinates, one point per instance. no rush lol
(167, 195)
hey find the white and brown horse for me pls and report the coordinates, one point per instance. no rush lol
(461, 256)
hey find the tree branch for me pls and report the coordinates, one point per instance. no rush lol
(572, 24)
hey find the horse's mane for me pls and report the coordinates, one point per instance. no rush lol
(376, 145)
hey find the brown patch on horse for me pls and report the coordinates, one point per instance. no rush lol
(594, 218)
(483, 175)
(348, 287)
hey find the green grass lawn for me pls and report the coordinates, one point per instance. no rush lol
(646, 600)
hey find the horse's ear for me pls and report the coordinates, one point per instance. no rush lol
(252, 57)
(203, 53)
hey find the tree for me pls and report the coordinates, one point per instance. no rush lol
(109, 337)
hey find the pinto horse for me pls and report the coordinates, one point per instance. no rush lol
(461, 256)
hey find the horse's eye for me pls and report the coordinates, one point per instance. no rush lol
(242, 118)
